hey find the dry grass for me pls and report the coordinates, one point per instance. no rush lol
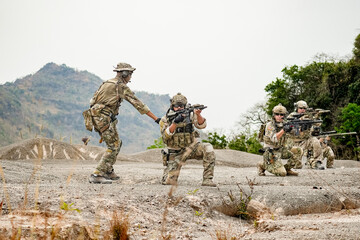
(236, 206)
(46, 224)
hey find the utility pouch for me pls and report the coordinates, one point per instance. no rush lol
(96, 110)
(187, 139)
(165, 157)
(88, 120)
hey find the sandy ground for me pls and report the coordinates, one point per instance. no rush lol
(316, 205)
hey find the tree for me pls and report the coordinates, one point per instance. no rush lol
(218, 142)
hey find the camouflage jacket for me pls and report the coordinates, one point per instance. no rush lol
(270, 139)
(184, 134)
(112, 92)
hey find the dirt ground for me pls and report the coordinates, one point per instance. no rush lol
(40, 175)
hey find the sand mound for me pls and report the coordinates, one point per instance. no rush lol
(45, 148)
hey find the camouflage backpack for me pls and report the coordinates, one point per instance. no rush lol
(262, 132)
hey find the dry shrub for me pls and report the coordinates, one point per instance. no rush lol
(223, 235)
(237, 206)
(119, 227)
(171, 201)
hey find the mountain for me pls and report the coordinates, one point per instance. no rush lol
(50, 103)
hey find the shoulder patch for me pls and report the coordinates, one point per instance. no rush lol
(269, 127)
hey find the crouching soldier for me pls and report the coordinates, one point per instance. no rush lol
(275, 147)
(180, 137)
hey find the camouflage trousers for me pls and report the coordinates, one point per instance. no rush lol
(272, 160)
(328, 153)
(313, 149)
(111, 137)
(197, 150)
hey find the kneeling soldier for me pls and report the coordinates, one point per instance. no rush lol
(180, 137)
(275, 147)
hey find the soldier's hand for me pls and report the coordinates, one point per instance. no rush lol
(157, 120)
(179, 118)
(197, 111)
(287, 128)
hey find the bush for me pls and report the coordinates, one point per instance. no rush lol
(216, 141)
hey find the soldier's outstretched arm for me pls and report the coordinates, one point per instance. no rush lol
(151, 115)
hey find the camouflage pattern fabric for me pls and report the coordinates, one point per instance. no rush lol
(328, 153)
(186, 147)
(308, 143)
(272, 160)
(311, 144)
(282, 149)
(113, 143)
(106, 102)
(199, 151)
(112, 92)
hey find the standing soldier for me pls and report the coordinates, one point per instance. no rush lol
(104, 107)
(305, 140)
(276, 148)
(180, 138)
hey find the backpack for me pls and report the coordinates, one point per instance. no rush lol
(262, 132)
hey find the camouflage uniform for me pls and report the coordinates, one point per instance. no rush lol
(327, 152)
(104, 108)
(182, 144)
(308, 143)
(275, 150)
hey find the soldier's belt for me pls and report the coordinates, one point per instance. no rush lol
(174, 151)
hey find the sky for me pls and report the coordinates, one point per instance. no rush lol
(218, 53)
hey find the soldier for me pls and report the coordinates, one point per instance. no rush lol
(180, 138)
(305, 140)
(276, 148)
(328, 153)
(104, 107)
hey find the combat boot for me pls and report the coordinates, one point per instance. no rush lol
(169, 181)
(111, 175)
(208, 183)
(319, 166)
(261, 170)
(291, 173)
(95, 178)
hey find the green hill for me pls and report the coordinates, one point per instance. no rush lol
(51, 101)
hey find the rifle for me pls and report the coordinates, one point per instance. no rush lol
(186, 111)
(311, 113)
(300, 125)
(335, 134)
(317, 111)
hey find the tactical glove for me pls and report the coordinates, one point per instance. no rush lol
(179, 118)
(157, 120)
(287, 128)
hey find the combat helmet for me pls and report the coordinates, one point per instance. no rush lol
(300, 104)
(123, 67)
(279, 109)
(178, 99)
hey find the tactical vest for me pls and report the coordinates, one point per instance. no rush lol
(183, 136)
(282, 140)
(119, 93)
